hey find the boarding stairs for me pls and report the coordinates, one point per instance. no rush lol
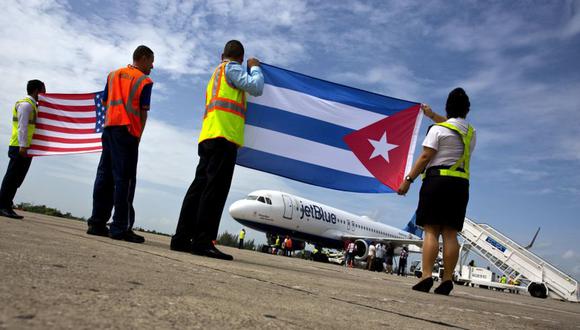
(516, 262)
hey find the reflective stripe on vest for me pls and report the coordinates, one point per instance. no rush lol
(123, 106)
(31, 122)
(225, 109)
(466, 139)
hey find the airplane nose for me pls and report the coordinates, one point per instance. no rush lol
(238, 210)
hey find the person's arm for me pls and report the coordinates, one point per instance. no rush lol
(431, 114)
(420, 164)
(24, 110)
(253, 83)
(145, 103)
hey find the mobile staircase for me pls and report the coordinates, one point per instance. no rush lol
(516, 262)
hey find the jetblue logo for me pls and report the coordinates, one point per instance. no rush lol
(316, 212)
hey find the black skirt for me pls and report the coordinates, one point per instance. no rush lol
(443, 201)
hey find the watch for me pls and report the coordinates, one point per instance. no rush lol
(408, 178)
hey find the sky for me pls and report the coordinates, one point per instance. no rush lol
(517, 61)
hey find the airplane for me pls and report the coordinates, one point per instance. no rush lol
(279, 213)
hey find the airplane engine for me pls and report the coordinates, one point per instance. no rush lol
(362, 249)
(298, 245)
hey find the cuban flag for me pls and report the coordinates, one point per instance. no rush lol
(329, 135)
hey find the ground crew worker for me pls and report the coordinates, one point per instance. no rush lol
(127, 98)
(24, 116)
(242, 235)
(277, 245)
(222, 133)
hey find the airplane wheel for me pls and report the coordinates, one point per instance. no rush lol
(538, 290)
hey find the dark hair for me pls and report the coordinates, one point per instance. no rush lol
(457, 103)
(234, 49)
(34, 85)
(142, 51)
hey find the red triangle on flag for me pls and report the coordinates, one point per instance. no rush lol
(388, 142)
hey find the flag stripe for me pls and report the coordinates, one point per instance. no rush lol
(304, 150)
(309, 173)
(71, 108)
(47, 121)
(70, 150)
(64, 129)
(303, 104)
(75, 145)
(52, 116)
(71, 136)
(38, 136)
(73, 102)
(333, 92)
(297, 125)
(66, 113)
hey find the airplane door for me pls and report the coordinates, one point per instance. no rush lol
(288, 207)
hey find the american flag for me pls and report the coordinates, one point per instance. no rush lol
(68, 124)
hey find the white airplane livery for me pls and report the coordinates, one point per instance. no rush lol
(278, 213)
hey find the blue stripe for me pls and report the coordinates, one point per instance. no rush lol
(308, 173)
(297, 125)
(333, 92)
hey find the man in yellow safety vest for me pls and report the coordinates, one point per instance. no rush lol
(24, 115)
(222, 133)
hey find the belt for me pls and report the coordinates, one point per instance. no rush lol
(434, 170)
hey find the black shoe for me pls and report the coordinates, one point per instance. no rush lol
(9, 213)
(98, 230)
(444, 288)
(424, 286)
(128, 236)
(181, 246)
(211, 252)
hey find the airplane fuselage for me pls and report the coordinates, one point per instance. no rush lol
(280, 213)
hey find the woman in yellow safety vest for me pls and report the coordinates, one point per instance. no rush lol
(444, 193)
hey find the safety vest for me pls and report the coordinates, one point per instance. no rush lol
(464, 159)
(31, 122)
(242, 234)
(123, 99)
(225, 109)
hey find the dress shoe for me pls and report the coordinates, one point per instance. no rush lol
(444, 288)
(128, 236)
(181, 246)
(98, 230)
(211, 252)
(9, 213)
(424, 286)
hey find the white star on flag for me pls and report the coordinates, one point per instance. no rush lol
(382, 147)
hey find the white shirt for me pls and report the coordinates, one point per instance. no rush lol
(351, 247)
(447, 142)
(24, 109)
(371, 250)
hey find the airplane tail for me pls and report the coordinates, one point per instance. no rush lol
(412, 227)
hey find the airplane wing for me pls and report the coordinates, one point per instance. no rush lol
(395, 241)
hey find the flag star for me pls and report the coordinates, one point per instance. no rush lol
(382, 147)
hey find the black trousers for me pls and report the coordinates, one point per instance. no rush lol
(115, 181)
(204, 201)
(15, 173)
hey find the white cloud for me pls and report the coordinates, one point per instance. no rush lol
(569, 254)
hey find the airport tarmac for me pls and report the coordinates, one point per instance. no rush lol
(54, 276)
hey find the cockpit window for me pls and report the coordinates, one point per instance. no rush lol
(261, 199)
(252, 198)
(268, 201)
